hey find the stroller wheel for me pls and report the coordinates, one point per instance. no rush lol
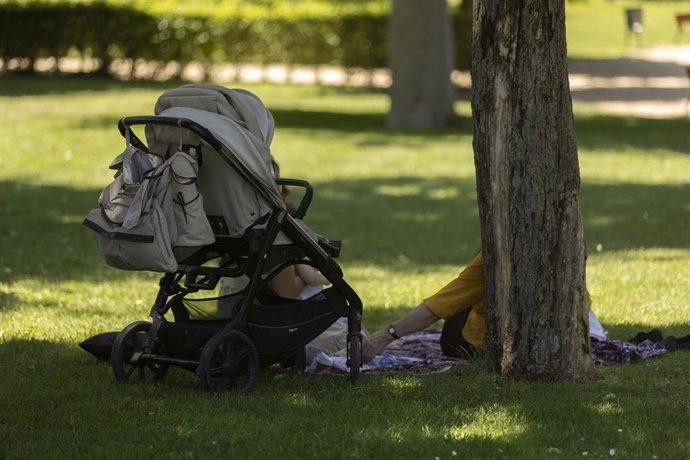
(229, 361)
(354, 353)
(128, 343)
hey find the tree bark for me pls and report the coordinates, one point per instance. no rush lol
(527, 185)
(420, 59)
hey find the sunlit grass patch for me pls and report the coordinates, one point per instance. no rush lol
(491, 421)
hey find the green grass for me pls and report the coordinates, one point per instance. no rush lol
(405, 206)
(598, 28)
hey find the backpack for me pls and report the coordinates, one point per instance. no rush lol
(152, 207)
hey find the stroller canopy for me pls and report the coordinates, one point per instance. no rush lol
(242, 124)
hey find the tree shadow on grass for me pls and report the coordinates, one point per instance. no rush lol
(41, 233)
(15, 85)
(616, 133)
(633, 216)
(361, 122)
(42, 85)
(318, 122)
(619, 134)
(435, 221)
(423, 221)
(426, 221)
(8, 301)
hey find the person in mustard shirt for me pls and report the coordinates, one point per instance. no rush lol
(460, 303)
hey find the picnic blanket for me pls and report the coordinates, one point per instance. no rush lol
(421, 353)
(621, 352)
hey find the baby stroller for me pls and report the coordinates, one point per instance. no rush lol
(200, 203)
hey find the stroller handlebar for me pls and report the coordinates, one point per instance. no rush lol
(306, 199)
(124, 125)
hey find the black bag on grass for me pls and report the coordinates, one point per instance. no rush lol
(100, 345)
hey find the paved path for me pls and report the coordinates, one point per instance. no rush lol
(655, 83)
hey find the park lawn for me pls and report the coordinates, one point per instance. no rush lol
(598, 28)
(405, 206)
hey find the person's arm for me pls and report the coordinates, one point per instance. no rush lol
(416, 320)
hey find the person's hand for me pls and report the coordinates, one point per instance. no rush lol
(374, 344)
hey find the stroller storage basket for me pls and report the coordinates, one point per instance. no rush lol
(278, 327)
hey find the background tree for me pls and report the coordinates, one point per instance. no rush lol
(527, 186)
(420, 58)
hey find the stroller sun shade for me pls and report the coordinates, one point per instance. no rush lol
(244, 127)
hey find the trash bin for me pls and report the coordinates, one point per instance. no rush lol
(634, 19)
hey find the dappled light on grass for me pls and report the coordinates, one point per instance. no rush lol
(601, 221)
(399, 190)
(74, 310)
(637, 290)
(608, 408)
(613, 169)
(417, 217)
(301, 400)
(441, 193)
(400, 385)
(492, 421)
(70, 219)
(444, 194)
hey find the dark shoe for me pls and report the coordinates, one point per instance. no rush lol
(654, 336)
(670, 343)
(684, 343)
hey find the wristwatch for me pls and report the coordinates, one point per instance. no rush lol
(391, 331)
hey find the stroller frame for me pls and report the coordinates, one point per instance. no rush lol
(230, 357)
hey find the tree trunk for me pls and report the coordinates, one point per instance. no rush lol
(527, 186)
(420, 59)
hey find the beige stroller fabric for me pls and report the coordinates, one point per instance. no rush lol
(239, 120)
(146, 212)
(236, 104)
(154, 207)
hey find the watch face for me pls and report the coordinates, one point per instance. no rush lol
(391, 331)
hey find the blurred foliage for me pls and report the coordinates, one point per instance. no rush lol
(308, 32)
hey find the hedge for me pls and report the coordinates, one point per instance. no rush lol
(107, 31)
